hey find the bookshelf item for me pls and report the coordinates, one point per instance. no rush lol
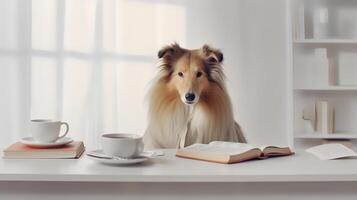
(309, 113)
(301, 22)
(324, 117)
(318, 118)
(317, 70)
(309, 117)
(347, 68)
(325, 73)
(321, 22)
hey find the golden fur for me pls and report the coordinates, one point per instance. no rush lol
(175, 122)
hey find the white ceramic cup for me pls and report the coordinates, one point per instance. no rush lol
(122, 145)
(44, 130)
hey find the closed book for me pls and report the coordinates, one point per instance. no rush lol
(324, 117)
(19, 150)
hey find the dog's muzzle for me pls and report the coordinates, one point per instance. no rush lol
(190, 98)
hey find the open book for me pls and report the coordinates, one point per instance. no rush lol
(230, 152)
(331, 151)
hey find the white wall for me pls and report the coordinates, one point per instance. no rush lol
(97, 58)
(253, 36)
(263, 69)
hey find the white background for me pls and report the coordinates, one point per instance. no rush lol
(90, 62)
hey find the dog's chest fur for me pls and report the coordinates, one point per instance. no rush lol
(188, 124)
(193, 127)
(206, 126)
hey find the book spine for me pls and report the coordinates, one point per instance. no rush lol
(325, 119)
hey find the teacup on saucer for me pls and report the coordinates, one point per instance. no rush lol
(122, 145)
(46, 130)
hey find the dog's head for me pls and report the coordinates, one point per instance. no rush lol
(191, 72)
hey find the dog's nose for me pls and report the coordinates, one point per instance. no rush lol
(190, 96)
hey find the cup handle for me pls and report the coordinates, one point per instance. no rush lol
(141, 148)
(67, 129)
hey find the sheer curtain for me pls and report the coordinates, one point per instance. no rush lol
(86, 62)
(90, 62)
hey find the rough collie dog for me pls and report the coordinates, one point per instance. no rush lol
(188, 102)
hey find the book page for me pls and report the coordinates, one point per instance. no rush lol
(331, 151)
(231, 148)
(262, 147)
(268, 150)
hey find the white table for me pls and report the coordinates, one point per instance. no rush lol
(170, 177)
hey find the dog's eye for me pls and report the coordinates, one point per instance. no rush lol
(212, 60)
(199, 74)
(180, 74)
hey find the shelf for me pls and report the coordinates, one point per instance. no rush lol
(325, 41)
(329, 88)
(327, 136)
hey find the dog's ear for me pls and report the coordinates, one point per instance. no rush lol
(169, 51)
(212, 55)
(166, 51)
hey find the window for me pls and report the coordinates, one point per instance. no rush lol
(86, 62)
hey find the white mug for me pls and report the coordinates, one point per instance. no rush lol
(44, 130)
(122, 145)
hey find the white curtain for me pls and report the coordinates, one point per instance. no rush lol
(86, 62)
(90, 62)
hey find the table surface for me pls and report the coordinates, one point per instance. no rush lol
(301, 167)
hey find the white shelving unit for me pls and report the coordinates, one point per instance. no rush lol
(325, 41)
(339, 41)
(342, 136)
(328, 88)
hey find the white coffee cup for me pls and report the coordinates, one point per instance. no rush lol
(122, 145)
(44, 130)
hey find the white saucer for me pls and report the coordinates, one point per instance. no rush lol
(29, 141)
(98, 155)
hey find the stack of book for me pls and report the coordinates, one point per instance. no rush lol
(19, 150)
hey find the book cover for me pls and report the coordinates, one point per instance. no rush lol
(19, 150)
